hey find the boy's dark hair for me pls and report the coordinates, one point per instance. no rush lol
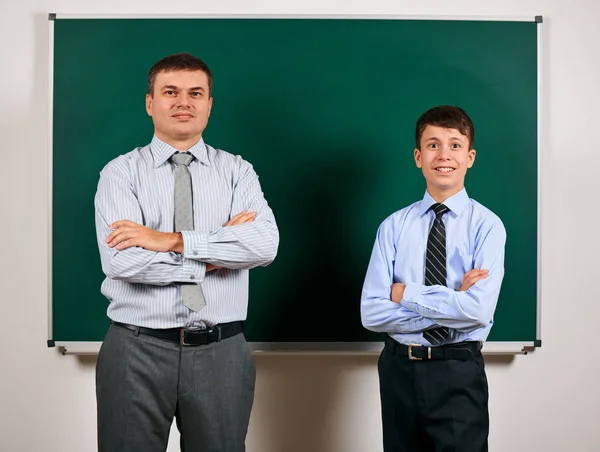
(179, 62)
(449, 117)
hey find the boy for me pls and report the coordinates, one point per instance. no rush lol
(432, 285)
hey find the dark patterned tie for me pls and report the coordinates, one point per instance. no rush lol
(435, 267)
(193, 297)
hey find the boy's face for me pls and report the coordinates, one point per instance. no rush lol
(444, 157)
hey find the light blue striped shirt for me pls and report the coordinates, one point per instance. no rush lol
(475, 238)
(141, 285)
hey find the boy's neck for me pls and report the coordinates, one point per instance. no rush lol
(442, 195)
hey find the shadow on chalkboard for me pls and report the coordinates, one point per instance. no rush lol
(322, 272)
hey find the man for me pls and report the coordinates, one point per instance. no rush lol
(432, 285)
(179, 224)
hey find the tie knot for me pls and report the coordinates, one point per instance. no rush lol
(182, 158)
(439, 210)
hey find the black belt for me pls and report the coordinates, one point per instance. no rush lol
(190, 336)
(415, 352)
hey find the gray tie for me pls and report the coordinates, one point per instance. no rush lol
(192, 294)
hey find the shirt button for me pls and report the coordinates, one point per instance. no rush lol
(192, 277)
(195, 253)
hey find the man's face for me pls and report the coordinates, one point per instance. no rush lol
(444, 158)
(180, 106)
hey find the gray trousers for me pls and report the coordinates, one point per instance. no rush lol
(142, 383)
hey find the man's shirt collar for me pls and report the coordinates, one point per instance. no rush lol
(161, 151)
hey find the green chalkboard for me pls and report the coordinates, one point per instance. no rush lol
(325, 111)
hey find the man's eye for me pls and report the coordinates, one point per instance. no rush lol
(196, 94)
(170, 92)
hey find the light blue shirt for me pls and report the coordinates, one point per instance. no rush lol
(475, 238)
(143, 286)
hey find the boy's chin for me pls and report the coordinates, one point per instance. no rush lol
(443, 187)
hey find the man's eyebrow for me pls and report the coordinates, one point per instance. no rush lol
(176, 88)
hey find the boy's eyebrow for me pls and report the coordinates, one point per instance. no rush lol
(451, 139)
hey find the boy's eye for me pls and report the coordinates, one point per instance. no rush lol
(455, 146)
(433, 145)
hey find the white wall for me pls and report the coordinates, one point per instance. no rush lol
(546, 401)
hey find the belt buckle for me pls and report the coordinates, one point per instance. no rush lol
(416, 358)
(182, 337)
(209, 333)
(182, 332)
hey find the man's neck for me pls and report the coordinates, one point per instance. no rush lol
(180, 145)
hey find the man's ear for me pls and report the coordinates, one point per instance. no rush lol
(471, 157)
(149, 104)
(418, 158)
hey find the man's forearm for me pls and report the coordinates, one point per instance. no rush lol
(235, 247)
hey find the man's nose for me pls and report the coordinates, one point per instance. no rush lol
(183, 101)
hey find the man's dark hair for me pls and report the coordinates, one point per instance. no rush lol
(179, 62)
(449, 117)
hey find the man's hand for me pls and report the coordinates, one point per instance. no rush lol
(243, 217)
(127, 234)
(240, 218)
(397, 292)
(471, 277)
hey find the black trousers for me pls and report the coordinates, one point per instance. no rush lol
(433, 406)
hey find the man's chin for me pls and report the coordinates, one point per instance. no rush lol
(186, 133)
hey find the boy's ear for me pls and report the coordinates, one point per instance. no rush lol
(471, 157)
(417, 154)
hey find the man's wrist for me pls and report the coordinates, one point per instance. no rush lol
(176, 242)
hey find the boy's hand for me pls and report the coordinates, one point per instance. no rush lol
(471, 277)
(397, 292)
